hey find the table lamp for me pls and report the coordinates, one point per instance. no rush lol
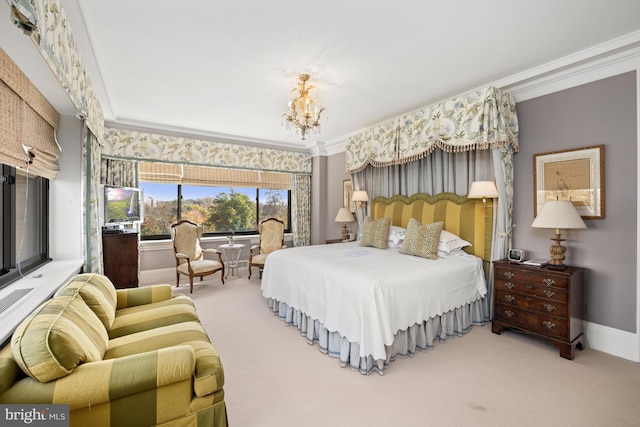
(482, 190)
(344, 216)
(558, 214)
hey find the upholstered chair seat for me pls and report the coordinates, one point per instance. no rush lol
(199, 267)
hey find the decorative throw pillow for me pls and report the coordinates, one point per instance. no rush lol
(375, 232)
(422, 240)
(449, 242)
(396, 236)
(98, 293)
(58, 336)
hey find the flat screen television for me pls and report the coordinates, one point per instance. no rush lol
(122, 205)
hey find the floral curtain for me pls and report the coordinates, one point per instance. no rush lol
(118, 172)
(91, 214)
(481, 119)
(45, 22)
(301, 209)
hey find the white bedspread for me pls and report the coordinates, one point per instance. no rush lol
(368, 294)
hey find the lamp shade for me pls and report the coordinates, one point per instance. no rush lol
(482, 189)
(558, 214)
(360, 196)
(344, 215)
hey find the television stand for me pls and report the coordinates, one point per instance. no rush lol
(120, 258)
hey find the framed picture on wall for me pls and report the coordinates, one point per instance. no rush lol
(576, 175)
(347, 194)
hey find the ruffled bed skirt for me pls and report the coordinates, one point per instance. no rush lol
(420, 336)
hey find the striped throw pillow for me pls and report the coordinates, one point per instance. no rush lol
(61, 334)
(98, 292)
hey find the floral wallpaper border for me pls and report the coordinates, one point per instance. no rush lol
(480, 119)
(149, 146)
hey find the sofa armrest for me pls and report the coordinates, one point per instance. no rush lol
(95, 383)
(131, 297)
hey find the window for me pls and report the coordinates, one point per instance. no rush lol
(220, 210)
(24, 223)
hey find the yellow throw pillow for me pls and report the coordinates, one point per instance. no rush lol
(422, 240)
(61, 334)
(375, 233)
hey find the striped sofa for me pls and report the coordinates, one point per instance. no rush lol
(125, 357)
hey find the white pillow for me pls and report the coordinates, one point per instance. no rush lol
(450, 242)
(396, 236)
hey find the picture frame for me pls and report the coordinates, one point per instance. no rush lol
(576, 175)
(347, 194)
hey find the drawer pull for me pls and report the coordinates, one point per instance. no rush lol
(549, 282)
(509, 298)
(509, 285)
(509, 313)
(550, 308)
(549, 325)
(509, 274)
(549, 294)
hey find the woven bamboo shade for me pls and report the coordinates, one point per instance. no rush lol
(28, 123)
(172, 173)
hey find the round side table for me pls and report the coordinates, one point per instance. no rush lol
(231, 255)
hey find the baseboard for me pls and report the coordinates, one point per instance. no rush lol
(612, 341)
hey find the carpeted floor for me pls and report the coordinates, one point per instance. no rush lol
(274, 378)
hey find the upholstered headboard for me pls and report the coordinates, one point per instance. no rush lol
(468, 218)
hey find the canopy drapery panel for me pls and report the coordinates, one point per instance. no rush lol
(480, 119)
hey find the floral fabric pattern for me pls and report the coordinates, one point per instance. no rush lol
(147, 146)
(480, 119)
(51, 33)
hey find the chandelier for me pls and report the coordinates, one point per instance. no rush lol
(304, 112)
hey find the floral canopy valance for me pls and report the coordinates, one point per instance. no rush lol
(174, 149)
(481, 119)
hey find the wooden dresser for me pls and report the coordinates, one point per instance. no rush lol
(120, 259)
(540, 301)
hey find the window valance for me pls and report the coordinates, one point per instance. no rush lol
(181, 150)
(172, 173)
(480, 119)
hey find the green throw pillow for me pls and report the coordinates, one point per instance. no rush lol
(422, 240)
(375, 233)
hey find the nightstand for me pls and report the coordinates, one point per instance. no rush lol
(540, 301)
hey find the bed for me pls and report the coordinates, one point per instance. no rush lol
(366, 305)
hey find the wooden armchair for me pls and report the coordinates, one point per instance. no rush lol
(190, 261)
(271, 239)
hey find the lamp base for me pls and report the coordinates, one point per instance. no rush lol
(345, 231)
(557, 252)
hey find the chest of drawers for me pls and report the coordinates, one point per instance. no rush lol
(540, 301)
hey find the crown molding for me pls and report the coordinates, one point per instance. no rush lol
(614, 57)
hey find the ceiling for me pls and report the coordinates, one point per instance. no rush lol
(225, 69)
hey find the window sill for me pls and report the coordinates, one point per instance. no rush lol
(44, 281)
